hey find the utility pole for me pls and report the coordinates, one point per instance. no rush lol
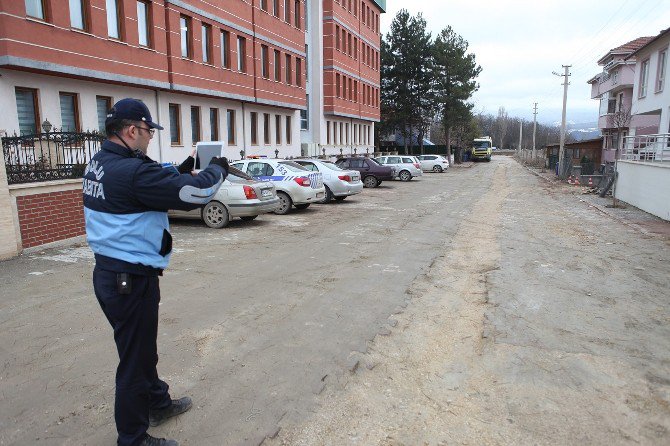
(534, 127)
(562, 174)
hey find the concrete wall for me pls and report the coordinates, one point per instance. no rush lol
(10, 238)
(645, 185)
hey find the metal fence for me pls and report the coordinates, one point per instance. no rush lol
(648, 148)
(48, 156)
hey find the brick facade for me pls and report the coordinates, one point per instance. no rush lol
(50, 217)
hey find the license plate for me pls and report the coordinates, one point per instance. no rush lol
(319, 195)
(266, 192)
(355, 178)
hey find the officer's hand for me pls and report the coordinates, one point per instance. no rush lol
(220, 161)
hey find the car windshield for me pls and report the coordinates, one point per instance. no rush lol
(237, 176)
(331, 166)
(482, 144)
(292, 165)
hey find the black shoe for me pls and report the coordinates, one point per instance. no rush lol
(152, 441)
(181, 405)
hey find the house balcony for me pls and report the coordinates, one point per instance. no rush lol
(612, 83)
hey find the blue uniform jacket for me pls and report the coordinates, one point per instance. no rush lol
(126, 198)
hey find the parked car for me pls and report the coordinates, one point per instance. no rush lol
(406, 167)
(433, 163)
(372, 174)
(240, 196)
(339, 183)
(296, 186)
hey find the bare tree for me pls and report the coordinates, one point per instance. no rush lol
(620, 120)
(501, 127)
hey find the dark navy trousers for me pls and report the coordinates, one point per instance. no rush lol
(134, 318)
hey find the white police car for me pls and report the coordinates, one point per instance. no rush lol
(296, 186)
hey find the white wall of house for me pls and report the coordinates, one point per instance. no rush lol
(656, 101)
(645, 186)
(160, 148)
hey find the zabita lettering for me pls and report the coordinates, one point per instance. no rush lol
(93, 189)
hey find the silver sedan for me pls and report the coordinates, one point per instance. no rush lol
(240, 196)
(339, 183)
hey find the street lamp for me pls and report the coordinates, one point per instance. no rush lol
(46, 126)
(276, 153)
(242, 154)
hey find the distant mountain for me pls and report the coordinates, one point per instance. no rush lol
(582, 131)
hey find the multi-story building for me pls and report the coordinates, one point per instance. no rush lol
(266, 77)
(651, 98)
(613, 87)
(343, 40)
(230, 71)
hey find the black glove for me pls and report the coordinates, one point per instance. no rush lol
(187, 166)
(220, 161)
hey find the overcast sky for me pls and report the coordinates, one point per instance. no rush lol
(518, 44)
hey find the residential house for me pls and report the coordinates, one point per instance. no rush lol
(613, 87)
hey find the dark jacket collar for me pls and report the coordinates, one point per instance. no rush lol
(117, 148)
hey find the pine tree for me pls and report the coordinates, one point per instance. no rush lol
(455, 74)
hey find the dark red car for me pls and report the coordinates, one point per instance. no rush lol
(372, 173)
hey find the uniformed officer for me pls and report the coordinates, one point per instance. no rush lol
(126, 198)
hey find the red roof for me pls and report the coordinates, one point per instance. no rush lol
(628, 48)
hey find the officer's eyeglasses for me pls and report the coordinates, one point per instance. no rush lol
(151, 131)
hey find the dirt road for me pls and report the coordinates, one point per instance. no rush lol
(480, 306)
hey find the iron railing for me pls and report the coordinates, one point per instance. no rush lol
(648, 148)
(48, 156)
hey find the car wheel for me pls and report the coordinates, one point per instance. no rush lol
(405, 175)
(249, 217)
(328, 197)
(215, 215)
(340, 198)
(302, 206)
(285, 203)
(370, 181)
(437, 169)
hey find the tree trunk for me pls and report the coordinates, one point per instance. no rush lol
(448, 133)
(421, 141)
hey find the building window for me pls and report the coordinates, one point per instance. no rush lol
(304, 117)
(230, 123)
(69, 112)
(289, 78)
(337, 37)
(185, 28)
(644, 78)
(341, 139)
(254, 128)
(347, 132)
(288, 130)
(355, 91)
(349, 45)
(278, 129)
(195, 124)
(225, 49)
(275, 8)
(26, 107)
(241, 54)
(306, 62)
(266, 128)
(77, 14)
(660, 74)
(264, 5)
(287, 11)
(277, 66)
(113, 24)
(296, 13)
(265, 62)
(213, 124)
(144, 23)
(35, 8)
(298, 72)
(102, 105)
(355, 48)
(337, 85)
(175, 125)
(206, 43)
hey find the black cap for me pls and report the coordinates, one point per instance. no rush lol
(132, 109)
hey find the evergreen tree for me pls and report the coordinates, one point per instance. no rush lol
(455, 73)
(406, 77)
